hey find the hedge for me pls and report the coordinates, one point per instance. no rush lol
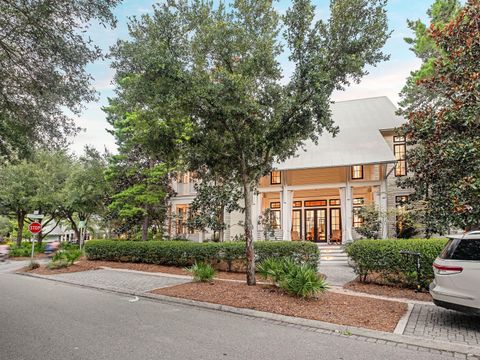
(381, 259)
(182, 253)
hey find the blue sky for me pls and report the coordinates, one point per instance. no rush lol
(386, 79)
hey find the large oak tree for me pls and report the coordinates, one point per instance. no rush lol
(218, 66)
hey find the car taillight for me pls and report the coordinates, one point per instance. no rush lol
(447, 269)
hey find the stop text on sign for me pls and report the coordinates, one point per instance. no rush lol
(35, 227)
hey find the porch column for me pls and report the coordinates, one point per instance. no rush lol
(383, 209)
(343, 204)
(348, 213)
(286, 213)
(256, 212)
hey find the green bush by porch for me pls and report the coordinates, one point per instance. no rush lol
(183, 253)
(382, 262)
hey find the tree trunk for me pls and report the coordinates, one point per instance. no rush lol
(145, 225)
(221, 232)
(247, 195)
(20, 223)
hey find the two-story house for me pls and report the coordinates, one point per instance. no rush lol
(315, 195)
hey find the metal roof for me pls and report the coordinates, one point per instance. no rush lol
(359, 141)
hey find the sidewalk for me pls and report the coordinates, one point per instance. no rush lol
(139, 284)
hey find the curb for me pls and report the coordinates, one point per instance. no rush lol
(471, 352)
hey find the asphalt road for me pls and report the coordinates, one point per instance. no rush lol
(41, 319)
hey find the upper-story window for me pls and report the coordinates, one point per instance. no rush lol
(357, 172)
(400, 152)
(275, 177)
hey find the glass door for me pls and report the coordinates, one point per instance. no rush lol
(335, 225)
(316, 225)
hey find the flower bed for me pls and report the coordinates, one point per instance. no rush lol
(228, 256)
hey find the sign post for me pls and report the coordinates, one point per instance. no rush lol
(34, 228)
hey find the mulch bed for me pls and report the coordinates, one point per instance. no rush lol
(386, 290)
(85, 265)
(330, 307)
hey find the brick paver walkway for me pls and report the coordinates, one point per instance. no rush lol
(433, 322)
(118, 280)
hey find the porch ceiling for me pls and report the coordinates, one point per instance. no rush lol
(359, 140)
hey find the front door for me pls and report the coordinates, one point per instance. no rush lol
(316, 225)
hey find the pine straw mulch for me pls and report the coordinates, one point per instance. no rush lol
(86, 265)
(330, 307)
(387, 290)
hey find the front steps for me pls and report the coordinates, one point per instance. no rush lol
(332, 255)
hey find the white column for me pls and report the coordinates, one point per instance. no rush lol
(286, 212)
(348, 213)
(343, 215)
(383, 209)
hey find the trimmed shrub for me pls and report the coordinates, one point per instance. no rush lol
(184, 254)
(382, 258)
(202, 272)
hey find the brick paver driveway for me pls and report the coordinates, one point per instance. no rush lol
(433, 322)
(118, 280)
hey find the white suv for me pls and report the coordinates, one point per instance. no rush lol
(457, 274)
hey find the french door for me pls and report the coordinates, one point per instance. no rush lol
(316, 225)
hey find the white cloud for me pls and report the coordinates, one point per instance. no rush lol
(386, 80)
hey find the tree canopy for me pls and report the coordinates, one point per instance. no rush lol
(442, 108)
(43, 53)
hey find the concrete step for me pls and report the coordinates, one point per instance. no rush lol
(331, 262)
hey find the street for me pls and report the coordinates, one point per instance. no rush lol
(41, 319)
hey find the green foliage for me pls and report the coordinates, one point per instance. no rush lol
(382, 258)
(442, 107)
(185, 253)
(303, 281)
(25, 249)
(202, 272)
(58, 264)
(297, 279)
(372, 221)
(275, 269)
(67, 256)
(43, 54)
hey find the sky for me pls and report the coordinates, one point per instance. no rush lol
(387, 79)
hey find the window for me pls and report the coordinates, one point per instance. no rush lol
(314, 203)
(297, 225)
(183, 214)
(335, 202)
(358, 201)
(275, 205)
(357, 172)
(297, 204)
(400, 152)
(184, 178)
(275, 219)
(357, 219)
(462, 249)
(401, 200)
(275, 177)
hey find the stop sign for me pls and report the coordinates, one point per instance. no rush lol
(35, 227)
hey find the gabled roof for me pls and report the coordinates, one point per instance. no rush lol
(359, 141)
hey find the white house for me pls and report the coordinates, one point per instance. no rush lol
(315, 194)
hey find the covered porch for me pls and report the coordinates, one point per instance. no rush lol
(304, 208)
